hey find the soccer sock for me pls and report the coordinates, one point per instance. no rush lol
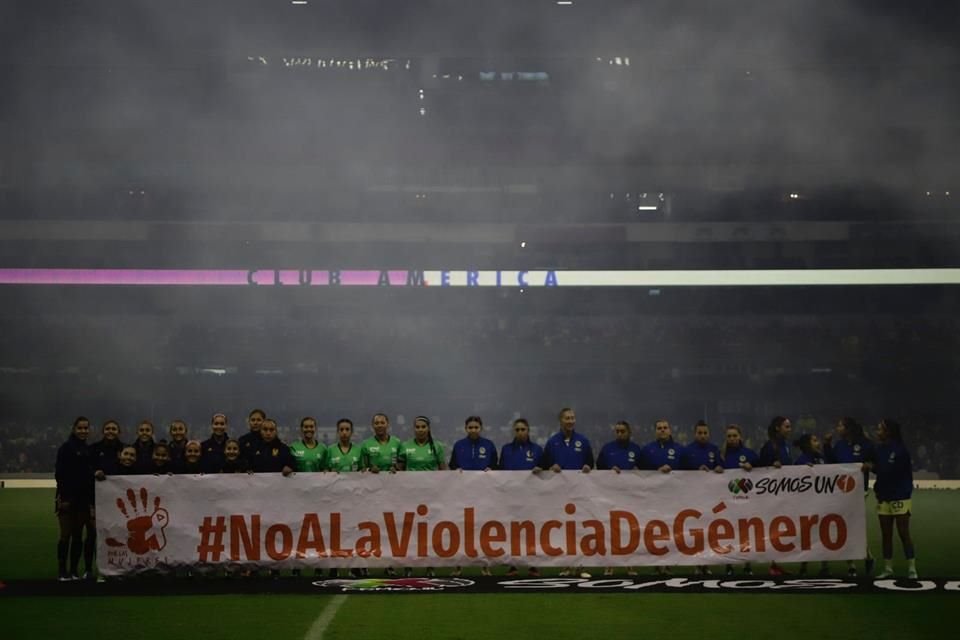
(89, 545)
(912, 564)
(908, 551)
(75, 549)
(888, 566)
(62, 546)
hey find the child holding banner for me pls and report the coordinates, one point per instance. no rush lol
(776, 453)
(894, 489)
(851, 445)
(212, 449)
(735, 455)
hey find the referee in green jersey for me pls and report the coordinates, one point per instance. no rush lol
(308, 454)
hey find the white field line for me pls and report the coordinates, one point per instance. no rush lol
(319, 626)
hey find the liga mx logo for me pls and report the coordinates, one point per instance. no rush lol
(740, 486)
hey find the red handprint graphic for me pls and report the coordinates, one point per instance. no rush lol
(144, 529)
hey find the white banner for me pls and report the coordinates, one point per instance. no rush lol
(446, 518)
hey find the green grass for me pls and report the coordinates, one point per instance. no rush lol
(28, 540)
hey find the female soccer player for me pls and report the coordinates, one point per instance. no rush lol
(160, 460)
(74, 502)
(191, 460)
(663, 454)
(522, 454)
(178, 441)
(381, 451)
(701, 453)
(811, 450)
(894, 489)
(308, 454)
(621, 453)
(568, 450)
(144, 445)
(273, 455)
(851, 445)
(232, 461)
(421, 453)
(343, 456)
(811, 453)
(735, 455)
(776, 450)
(212, 449)
(106, 450)
(126, 462)
(250, 441)
(473, 453)
(776, 453)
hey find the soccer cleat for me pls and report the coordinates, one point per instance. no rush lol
(408, 573)
(511, 572)
(533, 572)
(776, 571)
(728, 571)
(431, 573)
(390, 572)
(334, 573)
(455, 573)
(586, 575)
(74, 577)
(632, 572)
(748, 571)
(485, 571)
(565, 573)
(883, 575)
(912, 574)
(852, 572)
(608, 571)
(64, 577)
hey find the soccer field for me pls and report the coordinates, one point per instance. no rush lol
(28, 537)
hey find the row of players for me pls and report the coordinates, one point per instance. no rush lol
(261, 451)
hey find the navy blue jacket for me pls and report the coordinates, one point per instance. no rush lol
(249, 445)
(775, 450)
(805, 458)
(894, 472)
(574, 454)
(734, 456)
(657, 454)
(211, 453)
(106, 455)
(473, 455)
(74, 472)
(272, 457)
(622, 455)
(520, 457)
(697, 455)
(842, 451)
